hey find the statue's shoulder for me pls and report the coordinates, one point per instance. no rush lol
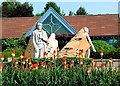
(35, 31)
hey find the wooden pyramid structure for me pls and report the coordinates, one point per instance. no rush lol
(78, 42)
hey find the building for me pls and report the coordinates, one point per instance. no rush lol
(104, 27)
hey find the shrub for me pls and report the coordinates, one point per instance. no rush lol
(102, 45)
(109, 51)
(11, 43)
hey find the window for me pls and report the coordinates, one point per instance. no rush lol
(52, 25)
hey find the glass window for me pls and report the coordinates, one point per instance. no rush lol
(52, 25)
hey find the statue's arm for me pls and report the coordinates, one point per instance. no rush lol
(33, 39)
(89, 40)
(45, 37)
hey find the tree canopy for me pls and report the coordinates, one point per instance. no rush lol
(16, 9)
(54, 6)
(81, 11)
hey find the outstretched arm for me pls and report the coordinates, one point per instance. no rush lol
(89, 40)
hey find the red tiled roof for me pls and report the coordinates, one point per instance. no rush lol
(99, 25)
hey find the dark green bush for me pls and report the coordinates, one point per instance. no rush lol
(11, 43)
(102, 45)
(109, 51)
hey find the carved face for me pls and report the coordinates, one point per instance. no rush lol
(39, 26)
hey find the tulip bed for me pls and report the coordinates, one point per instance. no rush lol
(57, 71)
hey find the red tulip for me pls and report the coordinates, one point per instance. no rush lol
(23, 61)
(81, 53)
(22, 66)
(66, 66)
(43, 64)
(110, 59)
(71, 63)
(29, 62)
(45, 54)
(88, 70)
(51, 67)
(92, 60)
(51, 59)
(13, 53)
(54, 52)
(102, 65)
(64, 60)
(26, 58)
(21, 55)
(95, 65)
(36, 65)
(2, 57)
(15, 63)
(101, 52)
(1, 66)
(81, 61)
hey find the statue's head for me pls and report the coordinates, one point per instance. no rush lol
(52, 37)
(39, 26)
(86, 30)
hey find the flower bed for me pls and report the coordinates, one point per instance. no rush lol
(59, 71)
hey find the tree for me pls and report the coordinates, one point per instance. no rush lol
(70, 13)
(54, 6)
(16, 9)
(63, 13)
(23, 10)
(81, 11)
(8, 8)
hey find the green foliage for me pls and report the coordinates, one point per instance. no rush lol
(38, 14)
(16, 9)
(109, 51)
(11, 43)
(102, 45)
(81, 11)
(117, 43)
(59, 76)
(8, 52)
(71, 13)
(54, 6)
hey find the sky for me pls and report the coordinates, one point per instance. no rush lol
(91, 6)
